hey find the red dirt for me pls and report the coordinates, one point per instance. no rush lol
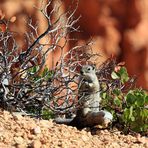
(21, 132)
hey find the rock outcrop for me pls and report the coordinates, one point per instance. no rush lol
(118, 27)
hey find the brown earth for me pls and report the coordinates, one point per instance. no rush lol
(21, 132)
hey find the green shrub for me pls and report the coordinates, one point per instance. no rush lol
(135, 114)
(34, 74)
(128, 106)
(41, 79)
(47, 114)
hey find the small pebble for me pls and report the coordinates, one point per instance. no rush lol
(37, 130)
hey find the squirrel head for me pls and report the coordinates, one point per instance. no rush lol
(87, 71)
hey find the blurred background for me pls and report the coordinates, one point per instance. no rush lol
(117, 27)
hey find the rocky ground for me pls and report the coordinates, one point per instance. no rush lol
(21, 132)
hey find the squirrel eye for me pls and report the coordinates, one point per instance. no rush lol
(88, 69)
(93, 67)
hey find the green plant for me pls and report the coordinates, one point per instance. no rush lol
(121, 74)
(135, 114)
(47, 114)
(36, 76)
(127, 104)
(39, 79)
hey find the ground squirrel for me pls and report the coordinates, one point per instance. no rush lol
(88, 113)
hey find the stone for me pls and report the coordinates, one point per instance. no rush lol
(36, 144)
(37, 130)
(18, 140)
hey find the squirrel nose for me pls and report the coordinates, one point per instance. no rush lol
(81, 72)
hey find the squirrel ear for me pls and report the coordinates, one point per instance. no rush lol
(93, 67)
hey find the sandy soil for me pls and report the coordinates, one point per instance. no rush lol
(21, 132)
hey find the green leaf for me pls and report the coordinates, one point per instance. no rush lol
(136, 97)
(33, 70)
(126, 115)
(132, 118)
(117, 101)
(140, 101)
(117, 92)
(104, 95)
(122, 71)
(123, 75)
(47, 114)
(131, 112)
(146, 100)
(45, 72)
(144, 114)
(114, 75)
(130, 99)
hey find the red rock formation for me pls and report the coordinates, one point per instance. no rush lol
(118, 27)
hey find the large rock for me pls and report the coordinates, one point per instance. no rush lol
(118, 27)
